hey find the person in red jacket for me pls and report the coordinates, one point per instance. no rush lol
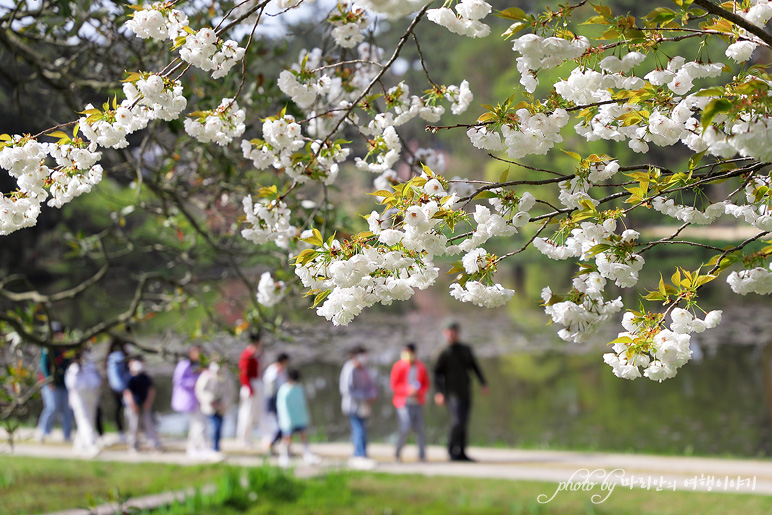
(410, 382)
(251, 393)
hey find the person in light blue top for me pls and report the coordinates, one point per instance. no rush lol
(118, 376)
(292, 414)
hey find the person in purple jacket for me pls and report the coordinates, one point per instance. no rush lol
(184, 400)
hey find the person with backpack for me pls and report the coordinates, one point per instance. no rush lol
(117, 366)
(53, 364)
(215, 392)
(358, 392)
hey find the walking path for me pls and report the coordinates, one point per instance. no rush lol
(565, 468)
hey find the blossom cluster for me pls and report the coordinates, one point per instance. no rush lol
(158, 22)
(419, 231)
(269, 222)
(533, 133)
(269, 291)
(206, 51)
(753, 280)
(538, 53)
(348, 24)
(203, 49)
(162, 96)
(669, 122)
(490, 225)
(585, 310)
(359, 280)
(221, 125)
(757, 215)
(481, 295)
(617, 262)
(148, 97)
(659, 352)
(466, 20)
(75, 172)
(303, 93)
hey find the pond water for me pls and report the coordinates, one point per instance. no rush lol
(718, 404)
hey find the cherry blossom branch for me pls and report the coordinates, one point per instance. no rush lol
(529, 167)
(712, 8)
(572, 209)
(344, 63)
(741, 246)
(423, 63)
(244, 60)
(528, 243)
(374, 81)
(252, 10)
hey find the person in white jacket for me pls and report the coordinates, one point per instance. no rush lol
(215, 392)
(83, 380)
(251, 401)
(274, 376)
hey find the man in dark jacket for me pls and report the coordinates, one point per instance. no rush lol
(451, 377)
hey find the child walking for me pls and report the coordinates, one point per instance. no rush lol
(292, 413)
(139, 397)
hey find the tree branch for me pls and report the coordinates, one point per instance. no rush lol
(712, 8)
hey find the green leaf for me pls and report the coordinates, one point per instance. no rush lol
(716, 106)
(695, 159)
(382, 193)
(597, 20)
(710, 92)
(512, 13)
(513, 29)
(319, 298)
(703, 279)
(485, 194)
(316, 239)
(597, 249)
(306, 256)
(660, 15)
(573, 154)
(655, 297)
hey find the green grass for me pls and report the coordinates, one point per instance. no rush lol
(37, 485)
(31, 485)
(271, 491)
(384, 494)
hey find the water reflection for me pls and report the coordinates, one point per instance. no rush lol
(716, 405)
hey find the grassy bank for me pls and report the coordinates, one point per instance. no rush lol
(367, 493)
(35, 485)
(31, 485)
